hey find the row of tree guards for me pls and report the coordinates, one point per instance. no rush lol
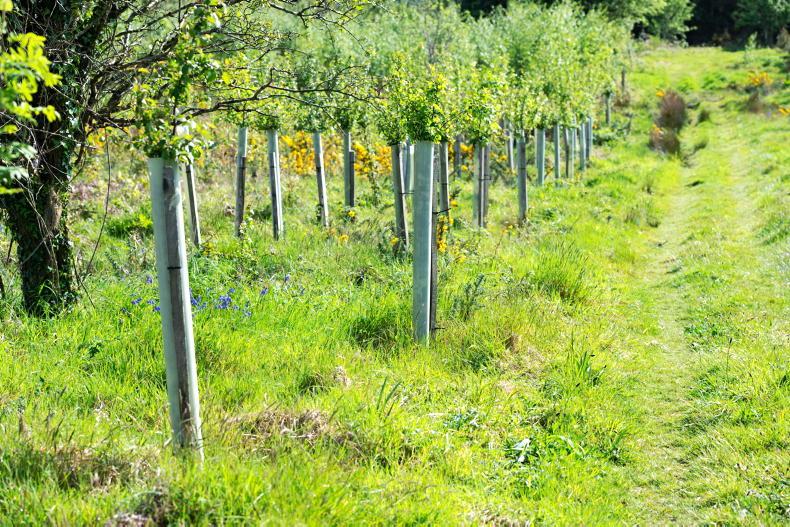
(420, 169)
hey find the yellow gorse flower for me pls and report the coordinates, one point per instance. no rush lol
(759, 79)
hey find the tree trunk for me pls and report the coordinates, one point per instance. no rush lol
(36, 217)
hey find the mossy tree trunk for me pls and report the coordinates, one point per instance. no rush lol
(37, 219)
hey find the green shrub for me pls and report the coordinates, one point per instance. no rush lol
(123, 226)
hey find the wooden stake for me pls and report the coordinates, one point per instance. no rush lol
(174, 303)
(278, 226)
(193, 205)
(423, 199)
(434, 261)
(444, 179)
(320, 176)
(241, 168)
(399, 194)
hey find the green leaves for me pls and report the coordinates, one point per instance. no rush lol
(426, 109)
(164, 87)
(24, 68)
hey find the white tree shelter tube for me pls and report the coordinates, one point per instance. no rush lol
(486, 181)
(320, 176)
(557, 166)
(477, 198)
(278, 226)
(608, 109)
(409, 177)
(175, 305)
(521, 149)
(511, 164)
(241, 169)
(568, 136)
(399, 195)
(348, 170)
(589, 148)
(423, 240)
(457, 159)
(583, 147)
(540, 154)
(194, 217)
(352, 178)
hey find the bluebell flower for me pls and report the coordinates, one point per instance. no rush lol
(287, 278)
(224, 302)
(265, 290)
(149, 279)
(136, 301)
(157, 309)
(231, 290)
(151, 302)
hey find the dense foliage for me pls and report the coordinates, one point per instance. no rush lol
(154, 71)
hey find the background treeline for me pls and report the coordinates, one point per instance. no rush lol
(697, 21)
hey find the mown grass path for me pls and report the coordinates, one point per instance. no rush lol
(712, 289)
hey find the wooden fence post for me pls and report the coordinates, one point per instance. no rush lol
(175, 304)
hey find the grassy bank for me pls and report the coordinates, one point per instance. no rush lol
(623, 358)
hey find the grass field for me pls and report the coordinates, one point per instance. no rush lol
(622, 359)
